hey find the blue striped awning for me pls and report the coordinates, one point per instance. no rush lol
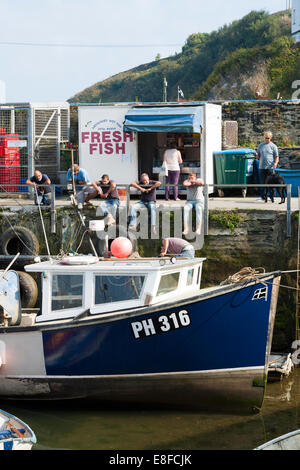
(166, 119)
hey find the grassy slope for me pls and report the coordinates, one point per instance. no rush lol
(209, 61)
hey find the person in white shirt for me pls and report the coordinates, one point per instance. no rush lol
(172, 158)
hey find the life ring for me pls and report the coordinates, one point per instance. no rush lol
(28, 290)
(19, 240)
(79, 259)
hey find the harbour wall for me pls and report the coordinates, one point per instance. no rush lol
(236, 239)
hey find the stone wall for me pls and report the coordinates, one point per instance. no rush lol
(259, 240)
(281, 118)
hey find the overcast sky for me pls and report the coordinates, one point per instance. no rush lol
(34, 68)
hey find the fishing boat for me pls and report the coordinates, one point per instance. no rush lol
(14, 433)
(289, 441)
(137, 330)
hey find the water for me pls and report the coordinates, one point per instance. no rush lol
(84, 425)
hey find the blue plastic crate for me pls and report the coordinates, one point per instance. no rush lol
(290, 177)
(23, 189)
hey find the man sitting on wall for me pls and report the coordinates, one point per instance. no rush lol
(194, 198)
(106, 189)
(148, 199)
(42, 195)
(80, 176)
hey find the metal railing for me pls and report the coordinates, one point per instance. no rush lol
(288, 188)
(128, 194)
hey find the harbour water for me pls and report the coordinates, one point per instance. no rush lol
(84, 425)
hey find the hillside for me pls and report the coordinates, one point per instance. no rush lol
(251, 57)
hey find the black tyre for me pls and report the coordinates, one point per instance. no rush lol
(19, 240)
(28, 290)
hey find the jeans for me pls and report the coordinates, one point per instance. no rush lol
(187, 252)
(263, 174)
(138, 206)
(80, 194)
(189, 205)
(110, 206)
(43, 199)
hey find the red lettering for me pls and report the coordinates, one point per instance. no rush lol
(84, 136)
(95, 137)
(117, 136)
(128, 135)
(109, 149)
(106, 136)
(120, 148)
(93, 147)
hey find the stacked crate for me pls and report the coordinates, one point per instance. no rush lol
(9, 162)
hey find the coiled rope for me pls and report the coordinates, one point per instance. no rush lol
(244, 275)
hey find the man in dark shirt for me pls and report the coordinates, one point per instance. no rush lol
(42, 194)
(106, 189)
(148, 199)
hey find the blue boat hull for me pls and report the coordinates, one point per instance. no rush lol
(211, 349)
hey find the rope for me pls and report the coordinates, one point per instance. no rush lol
(42, 221)
(244, 275)
(84, 233)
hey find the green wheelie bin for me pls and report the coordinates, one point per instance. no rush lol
(234, 166)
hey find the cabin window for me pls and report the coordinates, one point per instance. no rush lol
(66, 291)
(117, 288)
(168, 283)
(189, 280)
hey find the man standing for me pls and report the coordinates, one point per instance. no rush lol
(106, 189)
(148, 199)
(81, 177)
(194, 199)
(42, 195)
(268, 156)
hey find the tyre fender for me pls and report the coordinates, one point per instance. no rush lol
(28, 290)
(19, 240)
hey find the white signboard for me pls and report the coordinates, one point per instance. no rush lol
(17, 143)
(103, 145)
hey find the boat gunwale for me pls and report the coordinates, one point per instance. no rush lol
(102, 318)
(278, 439)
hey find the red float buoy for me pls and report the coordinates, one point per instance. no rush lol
(121, 247)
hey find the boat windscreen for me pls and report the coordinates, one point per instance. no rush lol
(110, 288)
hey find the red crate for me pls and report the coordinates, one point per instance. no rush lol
(4, 152)
(10, 175)
(7, 138)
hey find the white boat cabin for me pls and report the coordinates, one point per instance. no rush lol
(107, 286)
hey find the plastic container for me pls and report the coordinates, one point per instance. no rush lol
(95, 225)
(234, 166)
(122, 194)
(23, 189)
(290, 177)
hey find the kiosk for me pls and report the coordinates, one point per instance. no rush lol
(125, 140)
